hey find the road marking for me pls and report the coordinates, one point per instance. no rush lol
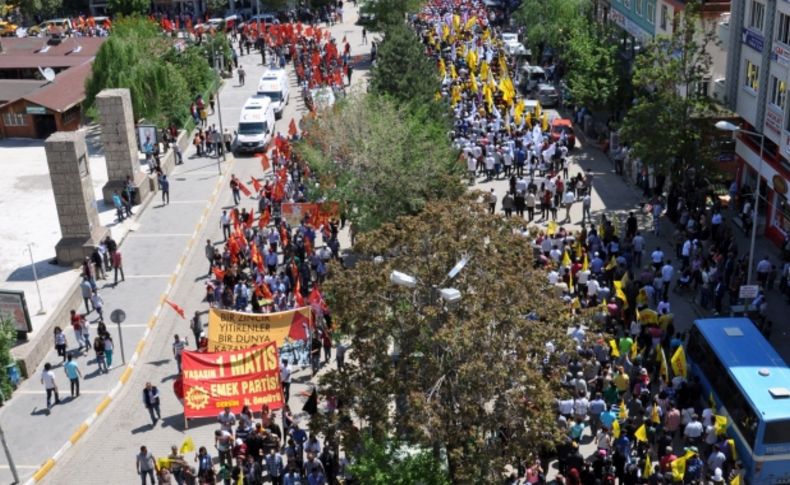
(141, 276)
(42, 391)
(160, 234)
(27, 467)
(187, 201)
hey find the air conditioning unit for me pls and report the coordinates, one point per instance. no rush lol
(720, 89)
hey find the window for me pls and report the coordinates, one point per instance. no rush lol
(752, 78)
(639, 7)
(776, 432)
(758, 14)
(11, 118)
(627, 3)
(651, 12)
(741, 412)
(783, 29)
(664, 16)
(778, 92)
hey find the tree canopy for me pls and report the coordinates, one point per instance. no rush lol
(128, 7)
(384, 159)
(592, 71)
(668, 73)
(469, 376)
(402, 69)
(386, 13)
(550, 22)
(382, 463)
(161, 80)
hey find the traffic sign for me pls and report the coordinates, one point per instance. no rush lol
(117, 316)
(748, 291)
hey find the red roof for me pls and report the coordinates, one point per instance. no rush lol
(31, 52)
(65, 92)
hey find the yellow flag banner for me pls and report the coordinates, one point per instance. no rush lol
(187, 446)
(736, 480)
(634, 351)
(622, 415)
(613, 346)
(442, 68)
(586, 263)
(619, 293)
(616, 429)
(678, 360)
(228, 330)
(470, 23)
(456, 22)
(654, 416)
(551, 228)
(721, 424)
(733, 450)
(566, 258)
(663, 367)
(641, 434)
(648, 471)
(679, 466)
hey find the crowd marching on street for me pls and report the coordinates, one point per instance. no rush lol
(625, 390)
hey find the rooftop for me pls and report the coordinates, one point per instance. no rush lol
(34, 52)
(66, 91)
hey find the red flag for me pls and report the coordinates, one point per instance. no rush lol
(256, 185)
(264, 161)
(265, 218)
(292, 128)
(316, 298)
(244, 188)
(267, 293)
(308, 246)
(219, 274)
(177, 308)
(299, 326)
(234, 218)
(250, 219)
(298, 293)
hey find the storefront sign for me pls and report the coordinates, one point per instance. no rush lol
(229, 330)
(773, 121)
(35, 110)
(782, 54)
(14, 306)
(753, 40)
(780, 184)
(213, 381)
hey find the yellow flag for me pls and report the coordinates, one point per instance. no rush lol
(611, 264)
(518, 111)
(489, 96)
(486, 34)
(455, 95)
(616, 429)
(586, 263)
(654, 417)
(736, 480)
(566, 259)
(163, 462)
(445, 32)
(484, 71)
(473, 82)
(619, 293)
(663, 368)
(641, 434)
(623, 414)
(679, 362)
(187, 446)
(678, 468)
(538, 110)
(721, 424)
(470, 23)
(544, 122)
(577, 249)
(453, 74)
(442, 67)
(471, 60)
(648, 471)
(613, 346)
(529, 119)
(456, 22)
(634, 351)
(570, 283)
(551, 228)
(733, 450)
(624, 280)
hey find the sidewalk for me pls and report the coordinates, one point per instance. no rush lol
(163, 259)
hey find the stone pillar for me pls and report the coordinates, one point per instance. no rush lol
(72, 184)
(119, 142)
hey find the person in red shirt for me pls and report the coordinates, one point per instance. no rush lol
(667, 459)
(79, 324)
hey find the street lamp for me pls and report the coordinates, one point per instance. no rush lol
(732, 128)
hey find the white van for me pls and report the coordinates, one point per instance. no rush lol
(274, 85)
(256, 125)
(533, 76)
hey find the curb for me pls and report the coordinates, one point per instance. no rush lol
(50, 463)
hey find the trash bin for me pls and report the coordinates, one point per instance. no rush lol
(13, 373)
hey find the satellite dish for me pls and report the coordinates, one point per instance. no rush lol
(48, 73)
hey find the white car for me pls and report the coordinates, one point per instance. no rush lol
(512, 46)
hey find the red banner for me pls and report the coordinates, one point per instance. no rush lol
(234, 379)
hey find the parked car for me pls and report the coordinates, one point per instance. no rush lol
(7, 28)
(548, 95)
(59, 26)
(560, 126)
(512, 45)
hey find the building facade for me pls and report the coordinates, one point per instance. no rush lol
(758, 72)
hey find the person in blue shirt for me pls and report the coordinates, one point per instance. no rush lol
(205, 466)
(73, 373)
(607, 418)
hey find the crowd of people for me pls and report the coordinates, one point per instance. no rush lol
(647, 422)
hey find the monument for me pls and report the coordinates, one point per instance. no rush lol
(72, 185)
(119, 141)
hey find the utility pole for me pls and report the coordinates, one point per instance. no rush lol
(41, 310)
(218, 65)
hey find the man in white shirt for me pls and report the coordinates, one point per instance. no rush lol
(226, 420)
(666, 275)
(48, 379)
(567, 200)
(638, 245)
(657, 258)
(763, 269)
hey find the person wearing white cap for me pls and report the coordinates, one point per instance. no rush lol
(718, 476)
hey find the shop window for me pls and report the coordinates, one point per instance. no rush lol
(778, 92)
(783, 29)
(782, 214)
(752, 77)
(757, 15)
(11, 118)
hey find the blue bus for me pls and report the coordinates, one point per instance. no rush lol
(751, 386)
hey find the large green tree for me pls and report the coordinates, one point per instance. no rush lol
(384, 159)
(384, 463)
(40, 8)
(592, 72)
(128, 7)
(139, 57)
(549, 22)
(472, 379)
(667, 76)
(402, 69)
(384, 13)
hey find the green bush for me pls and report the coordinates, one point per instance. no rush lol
(7, 340)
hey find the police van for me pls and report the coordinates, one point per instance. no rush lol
(274, 85)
